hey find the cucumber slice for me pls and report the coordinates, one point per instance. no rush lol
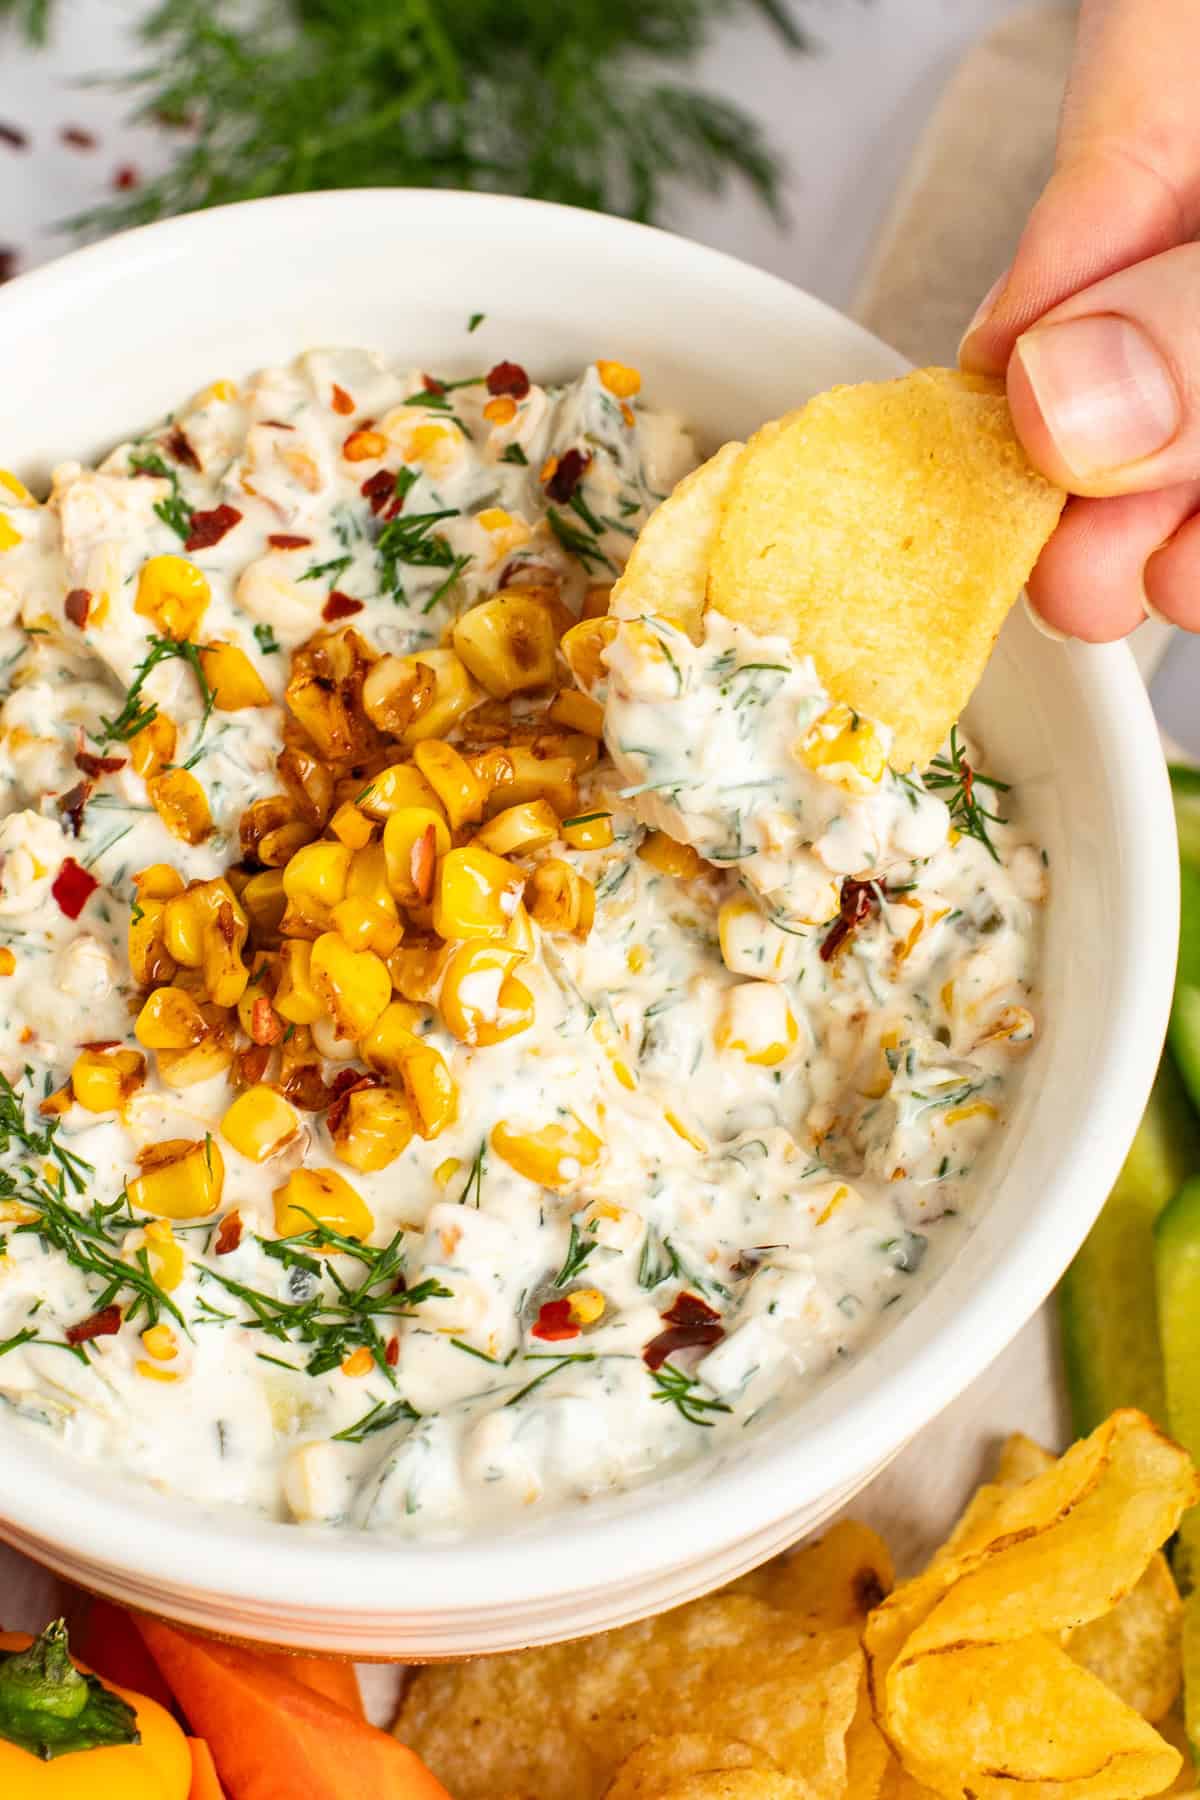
(1107, 1300)
(1185, 787)
(1184, 1029)
(1177, 1268)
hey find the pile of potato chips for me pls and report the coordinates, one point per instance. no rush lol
(1035, 1656)
(885, 530)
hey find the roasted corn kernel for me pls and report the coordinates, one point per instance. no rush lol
(181, 1178)
(663, 854)
(170, 1020)
(589, 831)
(296, 995)
(181, 804)
(321, 1197)
(559, 898)
(435, 682)
(413, 840)
(584, 646)
(576, 711)
(556, 1156)
(397, 786)
(481, 1001)
(519, 830)
(260, 1123)
(153, 747)
(429, 1087)
(508, 643)
(845, 748)
(475, 894)
(173, 594)
(103, 1080)
(373, 1128)
(353, 984)
(460, 792)
(233, 679)
(757, 1021)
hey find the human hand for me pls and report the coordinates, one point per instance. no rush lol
(1097, 324)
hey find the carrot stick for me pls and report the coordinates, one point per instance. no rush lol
(205, 1785)
(336, 1680)
(108, 1642)
(271, 1737)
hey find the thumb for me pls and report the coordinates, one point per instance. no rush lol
(1105, 388)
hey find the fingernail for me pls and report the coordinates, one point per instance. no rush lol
(980, 315)
(1043, 625)
(1104, 392)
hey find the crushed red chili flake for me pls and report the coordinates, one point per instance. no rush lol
(72, 804)
(14, 137)
(10, 263)
(77, 138)
(690, 1309)
(392, 1353)
(229, 1234)
(208, 528)
(380, 490)
(88, 763)
(126, 178)
(508, 378)
(856, 902)
(340, 1105)
(77, 605)
(252, 1064)
(266, 1027)
(554, 1322)
(284, 540)
(177, 446)
(568, 473)
(680, 1337)
(99, 1044)
(342, 401)
(340, 606)
(105, 1323)
(305, 1087)
(73, 887)
(432, 385)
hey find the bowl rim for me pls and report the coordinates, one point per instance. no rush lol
(237, 1558)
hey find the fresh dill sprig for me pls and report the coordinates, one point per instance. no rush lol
(380, 1418)
(333, 569)
(43, 1143)
(578, 544)
(409, 539)
(957, 781)
(473, 1191)
(174, 510)
(88, 1241)
(556, 1363)
(579, 1248)
(133, 716)
(680, 1390)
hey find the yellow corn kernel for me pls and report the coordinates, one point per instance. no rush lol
(460, 792)
(508, 643)
(587, 1305)
(399, 785)
(158, 882)
(559, 898)
(375, 1126)
(358, 923)
(845, 748)
(757, 1021)
(636, 959)
(224, 391)
(223, 933)
(836, 1201)
(296, 996)
(174, 594)
(351, 827)
(392, 1035)
(354, 985)
(555, 1157)
(15, 488)
(430, 1089)
(181, 804)
(531, 775)
(184, 1068)
(321, 1197)
(360, 1362)
(316, 875)
(149, 958)
(429, 442)
(260, 1124)
(519, 830)
(618, 378)
(10, 537)
(8, 962)
(974, 1109)
(160, 1342)
(500, 410)
(183, 929)
(263, 902)
(584, 646)
(102, 1080)
(683, 1130)
(365, 446)
(367, 885)
(413, 840)
(152, 748)
(170, 1020)
(590, 831)
(475, 894)
(416, 970)
(481, 1001)
(235, 682)
(663, 854)
(575, 711)
(167, 1259)
(181, 1178)
(451, 691)
(154, 1372)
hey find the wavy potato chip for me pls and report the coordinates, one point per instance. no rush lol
(886, 530)
(667, 1768)
(834, 1581)
(667, 571)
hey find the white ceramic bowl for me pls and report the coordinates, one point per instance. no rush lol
(105, 340)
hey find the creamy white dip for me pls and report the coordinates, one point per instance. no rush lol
(773, 1063)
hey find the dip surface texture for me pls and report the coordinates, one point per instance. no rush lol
(451, 1070)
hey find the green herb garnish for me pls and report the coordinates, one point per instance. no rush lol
(954, 778)
(266, 640)
(174, 510)
(380, 1418)
(133, 716)
(579, 1248)
(681, 1391)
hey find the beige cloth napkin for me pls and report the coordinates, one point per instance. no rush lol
(978, 168)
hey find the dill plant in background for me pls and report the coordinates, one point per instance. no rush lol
(581, 101)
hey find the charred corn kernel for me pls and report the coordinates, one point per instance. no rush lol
(475, 894)
(158, 882)
(372, 1130)
(577, 712)
(183, 929)
(8, 961)
(10, 537)
(368, 879)
(324, 694)
(16, 489)
(363, 925)
(481, 1001)
(260, 1124)
(351, 827)
(160, 1342)
(309, 781)
(590, 831)
(663, 854)
(235, 682)
(845, 748)
(555, 1157)
(102, 1080)
(263, 901)
(416, 970)
(181, 804)
(365, 446)
(518, 830)
(321, 1197)
(391, 1036)
(277, 848)
(317, 874)
(184, 1068)
(170, 1020)
(559, 898)
(438, 680)
(167, 1260)
(296, 995)
(359, 1362)
(413, 840)
(154, 1372)
(508, 643)
(757, 1022)
(153, 747)
(430, 1090)
(619, 378)
(354, 984)
(394, 788)
(173, 594)
(223, 933)
(460, 792)
(587, 1305)
(596, 601)
(974, 1109)
(181, 1178)
(532, 776)
(501, 410)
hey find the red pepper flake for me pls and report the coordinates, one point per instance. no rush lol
(181, 450)
(99, 1044)
(857, 901)
(77, 605)
(73, 887)
(105, 1323)
(432, 385)
(568, 473)
(392, 1353)
(554, 1323)
(266, 1027)
(252, 1064)
(690, 1309)
(14, 137)
(379, 489)
(340, 606)
(72, 804)
(283, 540)
(680, 1337)
(89, 764)
(126, 179)
(305, 1087)
(10, 264)
(342, 402)
(208, 528)
(75, 137)
(229, 1234)
(508, 378)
